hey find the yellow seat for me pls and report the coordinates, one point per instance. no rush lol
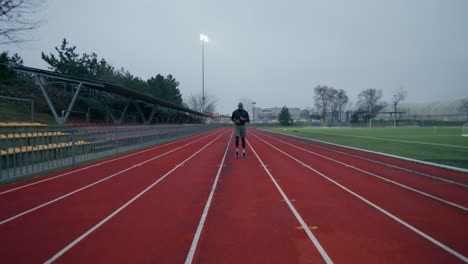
(25, 149)
(32, 135)
(21, 124)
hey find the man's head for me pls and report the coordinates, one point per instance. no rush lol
(240, 106)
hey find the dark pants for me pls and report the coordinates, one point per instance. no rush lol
(237, 142)
(240, 132)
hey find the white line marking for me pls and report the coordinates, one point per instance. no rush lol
(378, 153)
(98, 164)
(292, 137)
(412, 228)
(87, 233)
(196, 238)
(375, 175)
(395, 140)
(296, 214)
(90, 185)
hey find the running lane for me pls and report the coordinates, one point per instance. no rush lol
(441, 189)
(353, 229)
(249, 222)
(415, 166)
(159, 226)
(37, 236)
(14, 201)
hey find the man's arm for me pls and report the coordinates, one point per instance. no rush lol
(233, 118)
(247, 119)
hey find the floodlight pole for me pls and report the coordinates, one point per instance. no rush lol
(203, 76)
(203, 39)
(253, 112)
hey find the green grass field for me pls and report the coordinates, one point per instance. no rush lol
(443, 145)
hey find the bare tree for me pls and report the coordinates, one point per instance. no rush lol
(463, 107)
(398, 96)
(330, 99)
(306, 113)
(341, 100)
(322, 100)
(16, 19)
(333, 102)
(195, 102)
(369, 100)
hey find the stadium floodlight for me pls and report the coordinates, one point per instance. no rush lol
(203, 38)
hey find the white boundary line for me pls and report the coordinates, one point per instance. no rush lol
(294, 211)
(412, 228)
(395, 140)
(196, 238)
(92, 184)
(293, 138)
(379, 153)
(374, 175)
(91, 230)
(98, 164)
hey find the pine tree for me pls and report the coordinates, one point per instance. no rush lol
(285, 117)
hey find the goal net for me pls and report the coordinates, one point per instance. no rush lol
(379, 122)
(465, 130)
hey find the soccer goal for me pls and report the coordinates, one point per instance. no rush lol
(465, 130)
(16, 109)
(379, 122)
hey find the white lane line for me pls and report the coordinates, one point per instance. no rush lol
(91, 230)
(376, 176)
(196, 238)
(292, 137)
(296, 214)
(412, 228)
(378, 153)
(395, 140)
(90, 185)
(97, 164)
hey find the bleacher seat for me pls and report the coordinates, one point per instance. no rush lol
(21, 124)
(31, 135)
(25, 149)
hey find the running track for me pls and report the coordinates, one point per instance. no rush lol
(291, 201)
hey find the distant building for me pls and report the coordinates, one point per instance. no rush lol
(270, 115)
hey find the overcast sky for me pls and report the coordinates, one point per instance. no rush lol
(272, 51)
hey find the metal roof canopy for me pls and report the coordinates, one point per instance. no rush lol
(106, 87)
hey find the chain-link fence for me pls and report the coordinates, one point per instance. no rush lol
(26, 151)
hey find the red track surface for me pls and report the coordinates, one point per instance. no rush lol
(147, 206)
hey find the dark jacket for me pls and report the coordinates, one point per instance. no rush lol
(236, 115)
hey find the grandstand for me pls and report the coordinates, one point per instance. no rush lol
(30, 148)
(129, 97)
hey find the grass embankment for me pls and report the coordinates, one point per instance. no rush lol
(443, 145)
(22, 113)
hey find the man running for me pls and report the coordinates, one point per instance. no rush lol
(239, 117)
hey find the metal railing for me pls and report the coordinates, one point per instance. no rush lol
(27, 151)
